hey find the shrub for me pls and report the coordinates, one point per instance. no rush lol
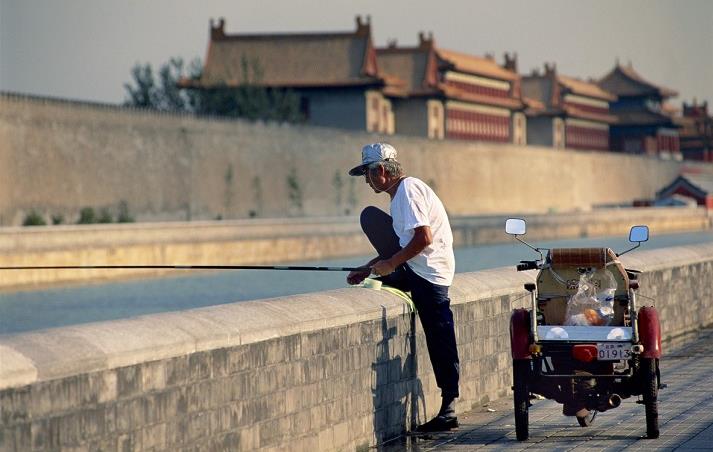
(87, 216)
(33, 219)
(105, 216)
(124, 216)
(57, 219)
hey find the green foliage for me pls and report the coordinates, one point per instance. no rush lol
(124, 216)
(249, 100)
(143, 94)
(351, 197)
(229, 177)
(34, 219)
(104, 216)
(338, 185)
(294, 192)
(87, 215)
(257, 195)
(57, 219)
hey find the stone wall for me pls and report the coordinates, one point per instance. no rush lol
(337, 370)
(277, 241)
(58, 156)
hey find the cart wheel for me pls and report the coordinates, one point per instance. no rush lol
(521, 399)
(650, 389)
(586, 421)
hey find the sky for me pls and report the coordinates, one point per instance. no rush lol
(85, 49)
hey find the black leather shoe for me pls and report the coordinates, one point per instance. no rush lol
(438, 424)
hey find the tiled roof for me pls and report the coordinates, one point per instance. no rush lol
(584, 114)
(583, 88)
(533, 104)
(625, 81)
(643, 118)
(700, 183)
(410, 64)
(475, 65)
(292, 59)
(457, 93)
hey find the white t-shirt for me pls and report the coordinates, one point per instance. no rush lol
(414, 205)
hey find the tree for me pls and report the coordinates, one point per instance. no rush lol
(249, 100)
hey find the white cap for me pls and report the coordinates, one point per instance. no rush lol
(375, 152)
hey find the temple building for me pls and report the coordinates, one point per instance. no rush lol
(693, 183)
(696, 133)
(644, 124)
(335, 75)
(453, 95)
(565, 112)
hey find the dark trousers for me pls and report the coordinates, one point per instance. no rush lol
(431, 301)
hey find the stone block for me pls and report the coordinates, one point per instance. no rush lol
(153, 436)
(300, 423)
(176, 432)
(105, 384)
(341, 434)
(318, 417)
(325, 439)
(199, 366)
(16, 404)
(129, 443)
(128, 381)
(220, 362)
(198, 426)
(198, 396)
(272, 431)
(164, 405)
(177, 370)
(153, 376)
(129, 414)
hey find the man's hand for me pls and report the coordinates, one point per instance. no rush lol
(383, 268)
(357, 276)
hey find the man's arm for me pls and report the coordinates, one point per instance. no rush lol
(422, 237)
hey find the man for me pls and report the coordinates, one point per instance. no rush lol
(415, 247)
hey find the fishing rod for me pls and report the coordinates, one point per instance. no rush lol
(185, 267)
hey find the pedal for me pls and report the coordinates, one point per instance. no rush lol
(663, 386)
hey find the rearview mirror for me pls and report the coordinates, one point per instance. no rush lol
(515, 226)
(639, 234)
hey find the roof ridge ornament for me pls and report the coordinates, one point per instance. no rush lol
(217, 31)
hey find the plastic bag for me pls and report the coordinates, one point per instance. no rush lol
(592, 306)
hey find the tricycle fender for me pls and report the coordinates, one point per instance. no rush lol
(649, 332)
(520, 333)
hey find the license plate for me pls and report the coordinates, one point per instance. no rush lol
(607, 351)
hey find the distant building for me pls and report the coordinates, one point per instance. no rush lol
(335, 74)
(566, 112)
(644, 126)
(454, 95)
(692, 184)
(696, 133)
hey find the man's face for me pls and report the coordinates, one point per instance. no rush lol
(373, 179)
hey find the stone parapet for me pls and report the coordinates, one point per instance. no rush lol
(342, 369)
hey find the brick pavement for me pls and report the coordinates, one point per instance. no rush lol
(685, 416)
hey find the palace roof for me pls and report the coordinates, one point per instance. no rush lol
(419, 68)
(296, 60)
(472, 64)
(543, 94)
(625, 81)
(413, 65)
(589, 89)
